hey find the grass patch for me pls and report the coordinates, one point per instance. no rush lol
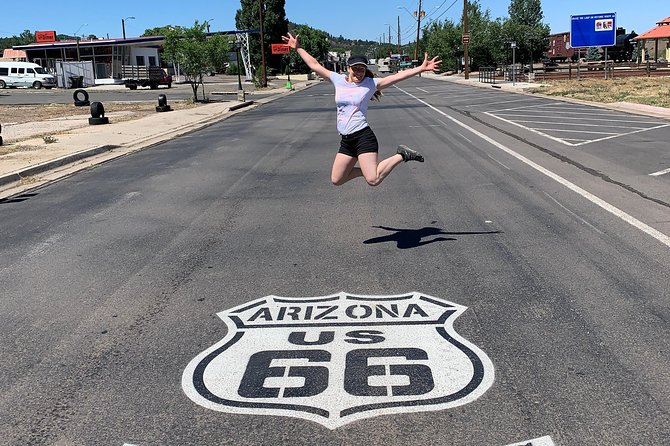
(640, 90)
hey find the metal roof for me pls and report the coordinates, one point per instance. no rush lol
(157, 40)
(661, 31)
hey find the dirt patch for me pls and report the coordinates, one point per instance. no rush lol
(640, 90)
(21, 114)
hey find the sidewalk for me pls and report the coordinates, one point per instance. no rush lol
(79, 145)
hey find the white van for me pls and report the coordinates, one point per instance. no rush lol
(25, 74)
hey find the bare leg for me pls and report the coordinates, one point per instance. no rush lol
(344, 170)
(375, 173)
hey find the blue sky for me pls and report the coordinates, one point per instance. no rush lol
(354, 19)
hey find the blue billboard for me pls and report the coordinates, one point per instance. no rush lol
(593, 30)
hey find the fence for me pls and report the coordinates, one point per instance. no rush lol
(487, 75)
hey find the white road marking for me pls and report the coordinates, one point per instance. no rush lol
(504, 102)
(425, 91)
(535, 115)
(660, 172)
(578, 131)
(541, 441)
(460, 134)
(658, 235)
(573, 214)
(579, 124)
(563, 141)
(498, 162)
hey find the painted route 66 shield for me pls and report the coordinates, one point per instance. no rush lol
(336, 359)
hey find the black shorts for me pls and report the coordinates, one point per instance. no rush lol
(362, 141)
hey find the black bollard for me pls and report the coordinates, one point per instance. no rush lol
(0, 135)
(97, 114)
(162, 104)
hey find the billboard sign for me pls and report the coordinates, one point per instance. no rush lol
(45, 36)
(593, 30)
(280, 48)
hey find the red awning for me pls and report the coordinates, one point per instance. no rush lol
(662, 31)
(13, 54)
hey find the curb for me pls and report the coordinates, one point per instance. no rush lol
(51, 164)
(134, 146)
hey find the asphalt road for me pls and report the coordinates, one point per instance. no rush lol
(116, 284)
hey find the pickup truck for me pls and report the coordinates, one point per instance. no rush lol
(144, 76)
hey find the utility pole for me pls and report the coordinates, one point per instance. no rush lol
(390, 47)
(264, 81)
(418, 30)
(466, 41)
(399, 47)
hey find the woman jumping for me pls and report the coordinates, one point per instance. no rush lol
(352, 95)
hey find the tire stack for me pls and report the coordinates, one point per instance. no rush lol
(162, 104)
(80, 101)
(97, 114)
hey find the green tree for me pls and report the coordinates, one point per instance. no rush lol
(593, 54)
(484, 36)
(443, 39)
(194, 52)
(25, 38)
(275, 25)
(158, 31)
(315, 42)
(525, 27)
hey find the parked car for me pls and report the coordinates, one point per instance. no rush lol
(166, 80)
(25, 74)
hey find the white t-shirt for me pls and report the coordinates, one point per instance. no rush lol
(352, 101)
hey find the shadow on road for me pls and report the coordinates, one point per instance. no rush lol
(413, 238)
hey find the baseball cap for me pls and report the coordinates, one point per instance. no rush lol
(357, 60)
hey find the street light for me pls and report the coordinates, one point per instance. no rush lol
(123, 25)
(513, 45)
(207, 22)
(417, 16)
(76, 36)
(238, 45)
(123, 47)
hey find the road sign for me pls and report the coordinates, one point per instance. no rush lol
(593, 30)
(466, 38)
(280, 48)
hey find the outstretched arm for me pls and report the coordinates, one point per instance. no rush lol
(427, 65)
(293, 42)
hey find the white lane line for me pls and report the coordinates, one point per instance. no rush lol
(624, 134)
(578, 131)
(421, 89)
(423, 126)
(459, 134)
(502, 102)
(536, 115)
(562, 141)
(658, 235)
(579, 124)
(573, 214)
(660, 172)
